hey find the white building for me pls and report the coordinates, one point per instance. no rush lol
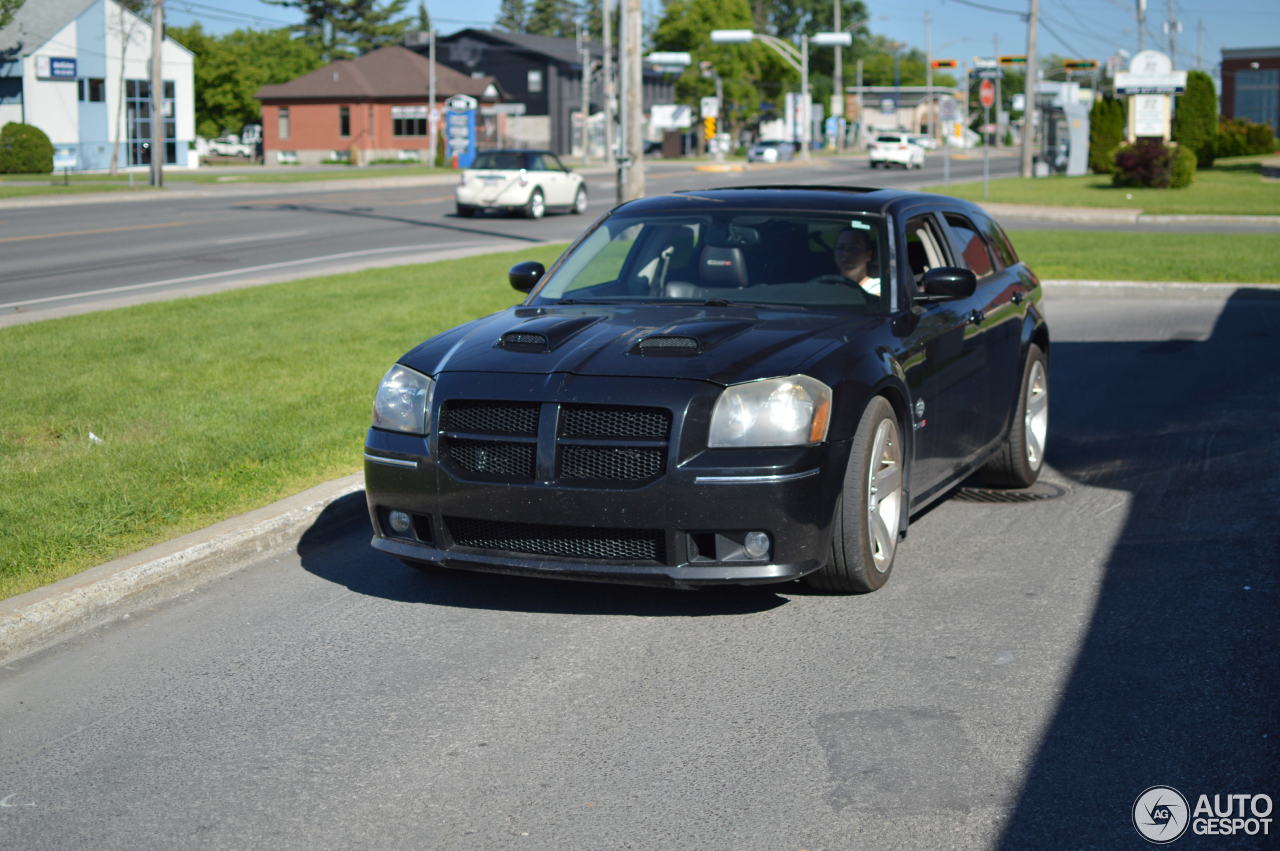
(80, 70)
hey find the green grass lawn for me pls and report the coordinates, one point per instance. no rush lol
(207, 407)
(211, 406)
(1119, 256)
(1232, 187)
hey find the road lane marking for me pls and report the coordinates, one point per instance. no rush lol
(96, 230)
(261, 236)
(210, 275)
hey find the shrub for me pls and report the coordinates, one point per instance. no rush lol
(24, 149)
(1106, 132)
(1183, 168)
(1238, 137)
(1260, 138)
(1195, 123)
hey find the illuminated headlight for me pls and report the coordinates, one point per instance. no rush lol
(792, 411)
(403, 401)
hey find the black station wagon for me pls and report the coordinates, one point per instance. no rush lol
(741, 385)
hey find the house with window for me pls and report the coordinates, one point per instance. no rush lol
(362, 110)
(80, 70)
(542, 78)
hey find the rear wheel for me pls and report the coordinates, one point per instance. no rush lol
(868, 517)
(465, 211)
(580, 201)
(1020, 458)
(536, 206)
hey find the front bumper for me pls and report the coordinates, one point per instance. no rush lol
(685, 527)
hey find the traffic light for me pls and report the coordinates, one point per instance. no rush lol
(1080, 64)
(1013, 59)
(709, 127)
(944, 63)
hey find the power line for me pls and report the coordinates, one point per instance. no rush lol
(1022, 15)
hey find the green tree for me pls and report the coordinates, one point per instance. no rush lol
(7, 8)
(513, 16)
(423, 23)
(553, 18)
(229, 71)
(1195, 122)
(342, 29)
(1106, 132)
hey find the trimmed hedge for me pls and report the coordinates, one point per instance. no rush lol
(1106, 133)
(1238, 137)
(1152, 164)
(25, 149)
(1195, 123)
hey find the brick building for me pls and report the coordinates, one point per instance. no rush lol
(371, 108)
(1251, 84)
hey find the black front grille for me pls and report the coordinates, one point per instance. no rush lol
(614, 422)
(476, 417)
(576, 542)
(490, 457)
(610, 463)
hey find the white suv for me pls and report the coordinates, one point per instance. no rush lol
(895, 149)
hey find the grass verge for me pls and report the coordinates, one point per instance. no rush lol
(1232, 187)
(206, 407)
(1246, 258)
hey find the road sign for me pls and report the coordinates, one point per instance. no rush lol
(944, 63)
(947, 109)
(989, 73)
(987, 93)
(711, 107)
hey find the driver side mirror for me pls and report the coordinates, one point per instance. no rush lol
(525, 276)
(944, 283)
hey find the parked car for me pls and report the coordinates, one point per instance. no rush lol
(744, 385)
(229, 146)
(520, 181)
(771, 152)
(895, 149)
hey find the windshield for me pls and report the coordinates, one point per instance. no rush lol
(751, 257)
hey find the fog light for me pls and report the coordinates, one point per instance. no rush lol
(756, 544)
(400, 522)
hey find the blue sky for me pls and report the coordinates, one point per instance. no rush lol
(1089, 29)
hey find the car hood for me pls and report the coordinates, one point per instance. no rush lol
(718, 344)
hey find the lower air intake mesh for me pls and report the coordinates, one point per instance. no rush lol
(576, 542)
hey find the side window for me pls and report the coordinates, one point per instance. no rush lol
(535, 163)
(973, 248)
(924, 247)
(999, 241)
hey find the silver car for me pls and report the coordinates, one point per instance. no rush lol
(771, 152)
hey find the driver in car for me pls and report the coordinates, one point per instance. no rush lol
(853, 254)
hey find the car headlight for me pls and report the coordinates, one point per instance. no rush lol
(792, 411)
(403, 401)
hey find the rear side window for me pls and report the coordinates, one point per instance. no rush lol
(973, 247)
(924, 248)
(998, 240)
(888, 138)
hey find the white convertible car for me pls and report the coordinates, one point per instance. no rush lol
(526, 182)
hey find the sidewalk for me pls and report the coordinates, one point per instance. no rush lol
(111, 591)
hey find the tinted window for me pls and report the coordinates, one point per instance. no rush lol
(502, 160)
(888, 138)
(973, 248)
(924, 248)
(999, 241)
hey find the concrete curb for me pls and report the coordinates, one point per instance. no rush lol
(108, 592)
(111, 591)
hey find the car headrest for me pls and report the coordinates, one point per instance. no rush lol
(722, 267)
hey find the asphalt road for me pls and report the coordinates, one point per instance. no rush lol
(107, 253)
(1029, 670)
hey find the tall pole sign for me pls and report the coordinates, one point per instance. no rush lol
(1150, 84)
(460, 130)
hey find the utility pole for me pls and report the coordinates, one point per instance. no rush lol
(837, 79)
(928, 75)
(157, 93)
(1029, 114)
(1142, 24)
(1173, 26)
(862, 123)
(633, 140)
(607, 69)
(431, 97)
(1200, 44)
(995, 55)
(585, 45)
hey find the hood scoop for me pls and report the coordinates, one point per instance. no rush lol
(544, 333)
(668, 344)
(688, 338)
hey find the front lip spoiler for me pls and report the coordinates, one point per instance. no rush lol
(752, 480)
(683, 576)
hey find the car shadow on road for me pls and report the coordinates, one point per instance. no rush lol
(367, 213)
(336, 548)
(1175, 681)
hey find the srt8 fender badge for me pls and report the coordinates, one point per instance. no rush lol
(921, 422)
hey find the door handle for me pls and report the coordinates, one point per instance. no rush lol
(976, 317)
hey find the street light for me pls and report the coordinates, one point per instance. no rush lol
(798, 59)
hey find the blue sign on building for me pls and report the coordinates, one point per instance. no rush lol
(56, 67)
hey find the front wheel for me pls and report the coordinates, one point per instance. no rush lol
(871, 507)
(580, 201)
(1018, 462)
(536, 206)
(466, 211)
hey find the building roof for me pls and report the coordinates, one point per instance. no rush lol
(560, 49)
(388, 72)
(35, 22)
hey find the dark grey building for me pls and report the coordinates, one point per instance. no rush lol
(544, 74)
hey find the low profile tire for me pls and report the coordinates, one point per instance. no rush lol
(466, 212)
(868, 516)
(536, 206)
(580, 201)
(1021, 457)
